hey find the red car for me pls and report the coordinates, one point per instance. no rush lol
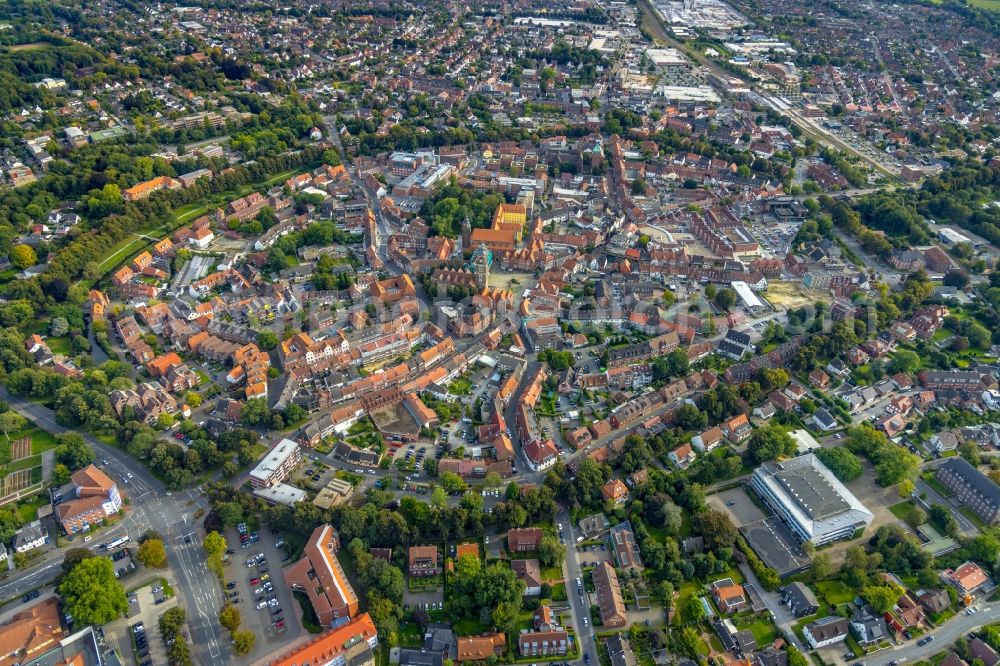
(279, 623)
(254, 581)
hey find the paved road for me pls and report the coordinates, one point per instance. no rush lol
(934, 497)
(150, 507)
(944, 636)
(781, 614)
(579, 606)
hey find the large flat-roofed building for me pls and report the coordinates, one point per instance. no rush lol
(807, 497)
(972, 487)
(321, 577)
(276, 464)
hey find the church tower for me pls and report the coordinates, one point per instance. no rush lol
(481, 266)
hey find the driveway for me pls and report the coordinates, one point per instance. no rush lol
(781, 615)
(429, 599)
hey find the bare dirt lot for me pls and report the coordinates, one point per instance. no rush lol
(789, 295)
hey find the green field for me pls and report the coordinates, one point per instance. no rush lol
(27, 510)
(59, 345)
(835, 592)
(905, 512)
(992, 5)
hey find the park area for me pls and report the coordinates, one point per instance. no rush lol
(138, 241)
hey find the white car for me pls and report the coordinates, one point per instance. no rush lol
(129, 475)
(586, 621)
(261, 605)
(272, 603)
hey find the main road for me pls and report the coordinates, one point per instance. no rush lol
(944, 636)
(150, 507)
(578, 603)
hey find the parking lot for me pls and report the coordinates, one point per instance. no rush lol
(145, 606)
(737, 504)
(415, 453)
(267, 559)
(589, 556)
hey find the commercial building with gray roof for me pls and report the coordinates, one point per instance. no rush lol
(807, 497)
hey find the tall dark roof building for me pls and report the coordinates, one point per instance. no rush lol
(972, 487)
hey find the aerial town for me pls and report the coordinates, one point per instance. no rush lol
(653, 333)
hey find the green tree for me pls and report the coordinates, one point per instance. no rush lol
(255, 412)
(229, 617)
(386, 615)
(73, 557)
(92, 594)
(904, 360)
(23, 256)
(215, 549)
(881, 597)
(725, 299)
(717, 528)
(694, 611)
(60, 475)
(845, 465)
(73, 451)
(152, 553)
(11, 421)
(10, 522)
(452, 483)
(551, 552)
(267, 340)
(172, 621)
(770, 442)
(244, 641)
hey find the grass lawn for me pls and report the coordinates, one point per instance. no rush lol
(835, 592)
(764, 630)
(687, 528)
(134, 243)
(258, 450)
(41, 440)
(108, 439)
(469, 626)
(309, 619)
(928, 477)
(688, 589)
(992, 5)
(60, 345)
(552, 573)
(976, 520)
(351, 571)
(905, 512)
(27, 509)
(410, 635)
(23, 463)
(120, 251)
